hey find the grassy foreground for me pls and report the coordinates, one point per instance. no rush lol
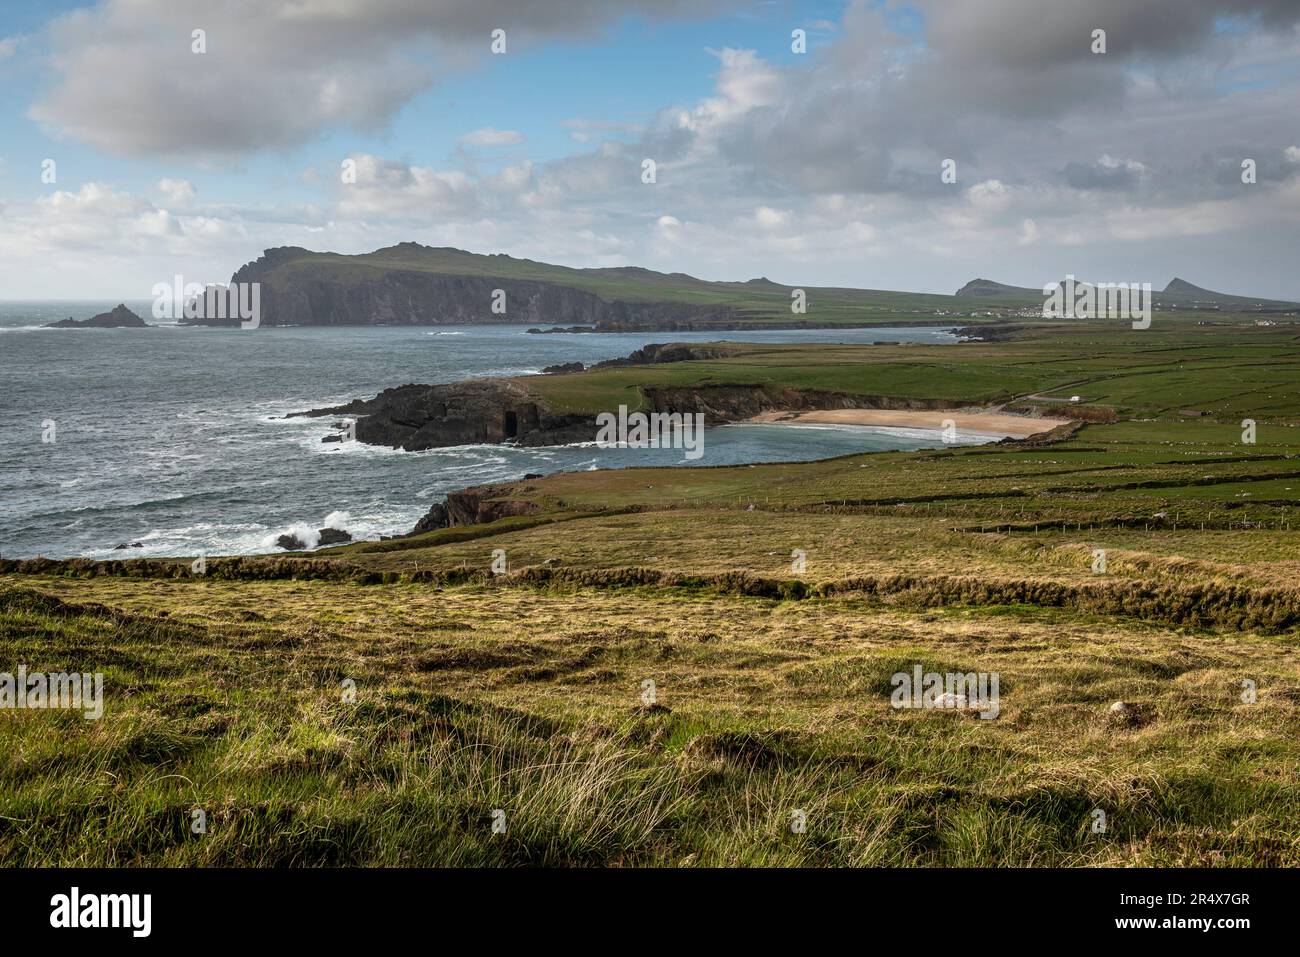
(398, 703)
(227, 698)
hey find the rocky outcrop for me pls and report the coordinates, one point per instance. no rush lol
(333, 536)
(435, 518)
(291, 542)
(990, 332)
(472, 506)
(668, 352)
(477, 412)
(119, 317)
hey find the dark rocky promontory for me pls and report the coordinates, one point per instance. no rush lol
(477, 412)
(119, 317)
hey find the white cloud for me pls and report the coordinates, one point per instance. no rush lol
(990, 194)
(177, 191)
(489, 137)
(278, 72)
(765, 217)
(388, 189)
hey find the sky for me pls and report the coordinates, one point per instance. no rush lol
(133, 150)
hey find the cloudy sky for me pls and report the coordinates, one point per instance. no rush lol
(817, 167)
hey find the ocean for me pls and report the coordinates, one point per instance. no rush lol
(174, 437)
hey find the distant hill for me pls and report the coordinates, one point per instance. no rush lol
(411, 284)
(1178, 294)
(988, 289)
(1183, 293)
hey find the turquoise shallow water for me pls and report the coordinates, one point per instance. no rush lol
(171, 436)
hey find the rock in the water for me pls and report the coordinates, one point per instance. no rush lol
(119, 317)
(564, 367)
(125, 545)
(291, 543)
(334, 536)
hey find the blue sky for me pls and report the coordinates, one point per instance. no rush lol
(817, 168)
(625, 75)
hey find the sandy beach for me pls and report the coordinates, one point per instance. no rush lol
(993, 423)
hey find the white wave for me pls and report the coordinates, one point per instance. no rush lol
(305, 533)
(312, 443)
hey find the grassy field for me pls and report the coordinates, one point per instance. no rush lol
(471, 699)
(526, 693)
(1232, 371)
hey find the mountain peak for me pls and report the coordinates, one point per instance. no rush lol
(988, 289)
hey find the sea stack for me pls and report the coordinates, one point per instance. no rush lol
(119, 317)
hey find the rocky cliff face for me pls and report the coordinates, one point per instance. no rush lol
(300, 288)
(414, 298)
(476, 505)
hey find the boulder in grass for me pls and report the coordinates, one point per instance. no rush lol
(1128, 714)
